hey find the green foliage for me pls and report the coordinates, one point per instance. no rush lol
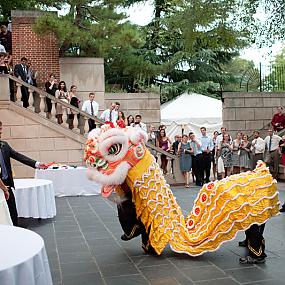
(188, 45)
(274, 75)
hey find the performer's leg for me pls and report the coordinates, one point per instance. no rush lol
(256, 246)
(146, 244)
(127, 216)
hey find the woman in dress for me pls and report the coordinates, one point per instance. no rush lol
(185, 150)
(130, 120)
(164, 143)
(236, 151)
(5, 218)
(214, 155)
(50, 87)
(61, 94)
(244, 157)
(224, 152)
(121, 121)
(74, 101)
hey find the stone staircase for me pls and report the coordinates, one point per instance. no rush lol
(29, 131)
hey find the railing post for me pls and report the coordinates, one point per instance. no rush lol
(64, 117)
(19, 94)
(86, 126)
(42, 105)
(53, 111)
(75, 123)
(260, 77)
(31, 100)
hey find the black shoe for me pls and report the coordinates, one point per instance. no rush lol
(242, 243)
(250, 260)
(148, 249)
(282, 210)
(134, 233)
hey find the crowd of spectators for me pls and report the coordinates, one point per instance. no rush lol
(220, 152)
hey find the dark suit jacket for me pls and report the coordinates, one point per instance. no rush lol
(19, 71)
(9, 153)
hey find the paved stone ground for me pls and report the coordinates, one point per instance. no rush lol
(84, 247)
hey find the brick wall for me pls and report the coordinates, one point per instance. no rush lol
(43, 51)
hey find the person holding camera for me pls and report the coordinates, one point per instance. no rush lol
(138, 123)
(185, 150)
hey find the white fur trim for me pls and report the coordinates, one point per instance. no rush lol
(104, 146)
(137, 135)
(95, 133)
(116, 178)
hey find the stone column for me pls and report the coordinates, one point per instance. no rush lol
(87, 74)
(4, 89)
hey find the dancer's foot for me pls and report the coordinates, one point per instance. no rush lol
(250, 260)
(243, 243)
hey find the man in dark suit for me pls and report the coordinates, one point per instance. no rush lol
(21, 71)
(6, 153)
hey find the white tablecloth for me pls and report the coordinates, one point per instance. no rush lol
(5, 218)
(35, 198)
(69, 182)
(23, 259)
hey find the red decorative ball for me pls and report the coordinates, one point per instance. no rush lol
(190, 224)
(197, 211)
(204, 198)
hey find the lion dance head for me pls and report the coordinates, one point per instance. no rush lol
(110, 152)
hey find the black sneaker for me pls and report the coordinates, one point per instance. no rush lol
(250, 260)
(282, 210)
(242, 243)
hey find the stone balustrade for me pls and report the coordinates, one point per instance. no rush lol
(42, 95)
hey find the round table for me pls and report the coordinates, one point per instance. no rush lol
(23, 258)
(35, 198)
(5, 218)
(70, 181)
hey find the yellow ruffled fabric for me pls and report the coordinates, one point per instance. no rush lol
(221, 209)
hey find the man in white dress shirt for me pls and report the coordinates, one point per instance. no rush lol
(110, 115)
(91, 107)
(272, 157)
(138, 123)
(257, 148)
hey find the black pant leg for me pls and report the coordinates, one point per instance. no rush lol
(207, 166)
(256, 243)
(128, 219)
(91, 124)
(200, 170)
(12, 207)
(25, 96)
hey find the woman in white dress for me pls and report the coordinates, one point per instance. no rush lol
(5, 218)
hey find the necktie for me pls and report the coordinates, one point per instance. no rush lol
(270, 142)
(3, 172)
(92, 110)
(110, 116)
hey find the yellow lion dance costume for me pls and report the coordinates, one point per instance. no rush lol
(221, 209)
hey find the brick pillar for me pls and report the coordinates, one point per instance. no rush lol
(43, 51)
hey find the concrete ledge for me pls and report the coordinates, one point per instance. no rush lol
(30, 13)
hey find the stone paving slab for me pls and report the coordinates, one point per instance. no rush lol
(84, 247)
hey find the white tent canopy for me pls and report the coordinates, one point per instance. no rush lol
(190, 111)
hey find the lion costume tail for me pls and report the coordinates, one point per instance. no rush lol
(221, 209)
(225, 207)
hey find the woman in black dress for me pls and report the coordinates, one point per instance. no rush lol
(51, 87)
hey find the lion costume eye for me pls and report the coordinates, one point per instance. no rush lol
(115, 149)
